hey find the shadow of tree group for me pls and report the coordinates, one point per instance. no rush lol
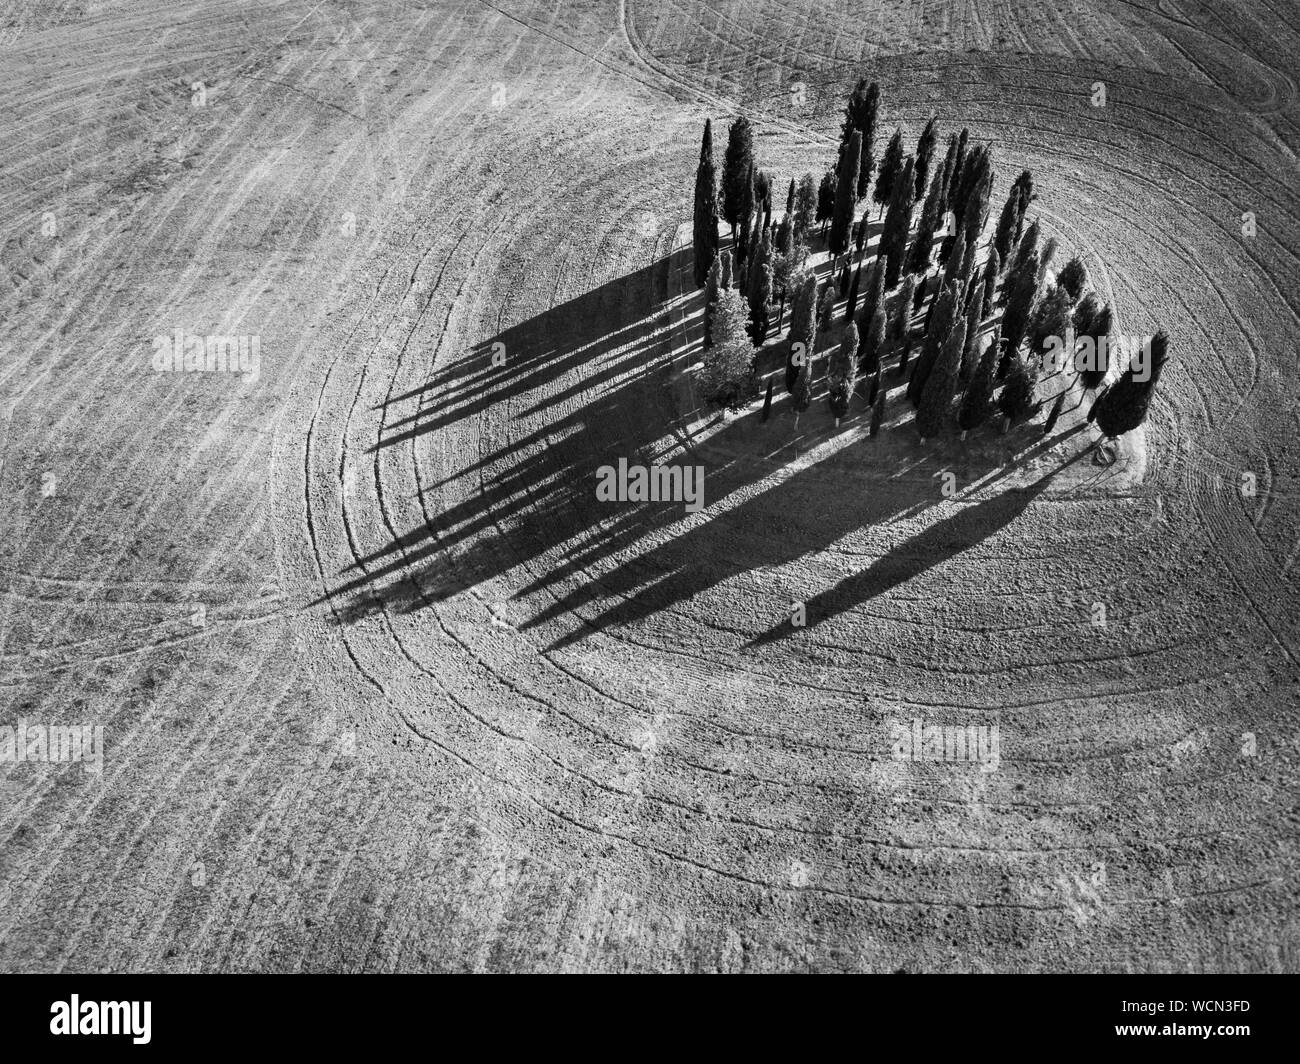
(597, 375)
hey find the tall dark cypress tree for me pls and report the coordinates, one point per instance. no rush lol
(941, 322)
(1008, 232)
(954, 176)
(846, 191)
(924, 155)
(918, 260)
(803, 330)
(873, 296)
(890, 167)
(706, 208)
(1124, 405)
(898, 224)
(860, 114)
(903, 311)
(1020, 305)
(991, 270)
(737, 181)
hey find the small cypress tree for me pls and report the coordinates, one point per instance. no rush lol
(705, 230)
(826, 316)
(945, 174)
(805, 207)
(803, 329)
(1011, 222)
(1097, 330)
(1051, 318)
(877, 412)
(737, 183)
(860, 237)
(891, 166)
(841, 373)
(801, 396)
(956, 262)
(875, 387)
(760, 290)
(724, 278)
(1073, 278)
(919, 297)
(726, 377)
(711, 290)
(903, 310)
(924, 155)
(767, 401)
(846, 191)
(1124, 405)
(977, 401)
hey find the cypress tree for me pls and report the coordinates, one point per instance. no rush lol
(802, 394)
(1017, 399)
(991, 270)
(727, 373)
(1020, 305)
(706, 208)
(954, 175)
(742, 248)
(1073, 278)
(891, 166)
(1051, 317)
(873, 296)
(898, 223)
(826, 316)
(975, 404)
(711, 289)
(941, 385)
(841, 373)
(873, 349)
(1045, 259)
(956, 262)
(1124, 405)
(846, 189)
(944, 314)
(945, 174)
(860, 114)
(918, 260)
(903, 311)
(826, 198)
(1011, 222)
(860, 237)
(737, 184)
(724, 278)
(805, 207)
(767, 402)
(1097, 330)
(970, 353)
(875, 388)
(1028, 245)
(803, 329)
(924, 155)
(760, 290)
(877, 412)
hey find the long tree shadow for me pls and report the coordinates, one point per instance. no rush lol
(942, 541)
(534, 498)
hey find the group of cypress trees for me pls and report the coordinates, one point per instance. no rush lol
(952, 380)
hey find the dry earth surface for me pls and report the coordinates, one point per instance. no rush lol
(384, 687)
